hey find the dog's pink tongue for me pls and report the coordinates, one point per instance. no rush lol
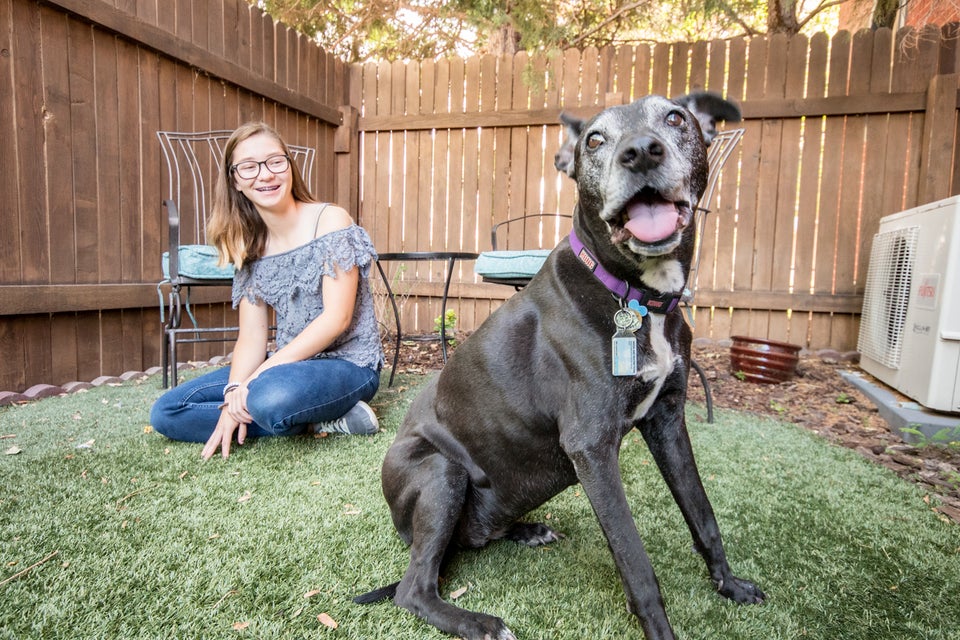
(652, 222)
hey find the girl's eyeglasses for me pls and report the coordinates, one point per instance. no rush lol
(250, 169)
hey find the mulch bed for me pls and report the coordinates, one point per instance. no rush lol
(817, 399)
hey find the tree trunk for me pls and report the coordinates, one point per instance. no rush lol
(503, 41)
(782, 17)
(884, 14)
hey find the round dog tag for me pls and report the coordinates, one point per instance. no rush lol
(626, 320)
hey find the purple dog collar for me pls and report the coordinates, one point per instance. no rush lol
(635, 298)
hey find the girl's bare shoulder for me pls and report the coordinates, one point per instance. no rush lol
(332, 218)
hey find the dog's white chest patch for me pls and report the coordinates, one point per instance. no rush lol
(657, 366)
(666, 276)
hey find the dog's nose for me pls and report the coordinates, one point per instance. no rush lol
(642, 153)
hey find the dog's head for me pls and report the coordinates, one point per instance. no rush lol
(708, 108)
(640, 171)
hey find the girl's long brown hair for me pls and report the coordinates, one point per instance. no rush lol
(235, 227)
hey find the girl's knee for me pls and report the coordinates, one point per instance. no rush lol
(160, 417)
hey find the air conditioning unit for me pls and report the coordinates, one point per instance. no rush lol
(910, 326)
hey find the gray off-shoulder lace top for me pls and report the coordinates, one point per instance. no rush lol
(292, 283)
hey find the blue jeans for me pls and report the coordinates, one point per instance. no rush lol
(283, 400)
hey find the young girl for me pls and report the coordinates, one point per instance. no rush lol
(310, 263)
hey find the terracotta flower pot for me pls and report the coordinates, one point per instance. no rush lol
(759, 360)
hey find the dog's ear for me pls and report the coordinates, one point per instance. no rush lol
(563, 160)
(709, 108)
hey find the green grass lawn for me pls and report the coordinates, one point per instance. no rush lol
(150, 542)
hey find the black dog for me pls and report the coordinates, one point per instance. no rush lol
(541, 395)
(709, 108)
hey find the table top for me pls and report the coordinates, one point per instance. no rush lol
(429, 255)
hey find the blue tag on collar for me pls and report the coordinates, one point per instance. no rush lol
(636, 307)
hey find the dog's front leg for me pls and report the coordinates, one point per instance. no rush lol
(599, 474)
(666, 436)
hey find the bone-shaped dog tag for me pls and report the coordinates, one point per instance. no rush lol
(624, 353)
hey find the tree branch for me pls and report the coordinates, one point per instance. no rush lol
(611, 18)
(824, 5)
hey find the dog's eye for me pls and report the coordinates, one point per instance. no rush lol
(594, 140)
(674, 119)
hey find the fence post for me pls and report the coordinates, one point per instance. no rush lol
(345, 143)
(939, 138)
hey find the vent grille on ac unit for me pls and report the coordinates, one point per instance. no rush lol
(887, 295)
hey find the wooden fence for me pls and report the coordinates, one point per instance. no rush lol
(84, 86)
(839, 132)
(429, 155)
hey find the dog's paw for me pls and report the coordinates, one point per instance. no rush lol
(532, 534)
(480, 626)
(741, 591)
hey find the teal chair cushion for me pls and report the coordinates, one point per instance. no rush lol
(198, 261)
(510, 264)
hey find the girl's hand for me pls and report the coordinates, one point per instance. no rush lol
(236, 405)
(222, 436)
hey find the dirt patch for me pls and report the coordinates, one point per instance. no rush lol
(817, 399)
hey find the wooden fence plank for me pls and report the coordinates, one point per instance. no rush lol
(384, 88)
(106, 221)
(875, 150)
(441, 149)
(420, 99)
(569, 97)
(411, 165)
(535, 157)
(471, 145)
(9, 185)
(590, 91)
(487, 179)
(709, 232)
(641, 71)
(502, 138)
(465, 307)
(39, 356)
(85, 120)
(727, 204)
(368, 153)
(843, 327)
(717, 73)
(811, 154)
(429, 309)
(623, 71)
(233, 22)
(29, 126)
(828, 219)
(699, 66)
(773, 233)
(554, 136)
(486, 160)
(745, 264)
(57, 149)
(660, 69)
(680, 52)
(939, 138)
(129, 114)
(150, 193)
(518, 158)
(783, 269)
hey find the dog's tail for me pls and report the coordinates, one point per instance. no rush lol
(377, 595)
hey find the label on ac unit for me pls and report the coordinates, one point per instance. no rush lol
(928, 289)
